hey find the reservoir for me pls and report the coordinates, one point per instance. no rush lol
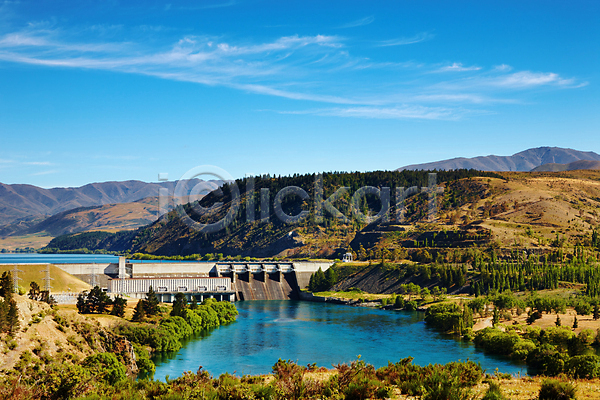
(34, 258)
(325, 334)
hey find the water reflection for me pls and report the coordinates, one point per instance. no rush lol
(323, 333)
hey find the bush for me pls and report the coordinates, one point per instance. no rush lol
(494, 392)
(63, 381)
(399, 302)
(546, 360)
(586, 366)
(553, 389)
(495, 341)
(105, 367)
(143, 361)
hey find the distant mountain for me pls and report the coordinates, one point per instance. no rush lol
(110, 217)
(523, 161)
(582, 164)
(27, 202)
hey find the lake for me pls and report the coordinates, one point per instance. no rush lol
(325, 334)
(34, 258)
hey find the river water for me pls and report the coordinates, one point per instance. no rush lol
(304, 332)
(325, 334)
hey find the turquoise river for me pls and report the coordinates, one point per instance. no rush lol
(325, 334)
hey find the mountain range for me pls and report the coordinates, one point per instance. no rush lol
(26, 202)
(523, 161)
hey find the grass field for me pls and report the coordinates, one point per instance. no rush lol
(36, 241)
(61, 281)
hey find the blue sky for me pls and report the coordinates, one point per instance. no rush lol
(109, 90)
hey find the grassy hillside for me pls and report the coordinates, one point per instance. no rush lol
(543, 211)
(61, 281)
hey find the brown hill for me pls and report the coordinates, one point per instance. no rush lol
(110, 217)
(581, 164)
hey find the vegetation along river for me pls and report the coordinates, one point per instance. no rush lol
(325, 334)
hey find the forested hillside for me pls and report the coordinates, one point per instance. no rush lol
(316, 235)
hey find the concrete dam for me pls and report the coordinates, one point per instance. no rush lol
(223, 280)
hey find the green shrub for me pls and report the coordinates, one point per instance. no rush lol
(143, 361)
(493, 392)
(584, 366)
(105, 367)
(546, 360)
(399, 302)
(553, 389)
(64, 381)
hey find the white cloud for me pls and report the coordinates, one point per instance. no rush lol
(457, 67)
(48, 172)
(421, 37)
(361, 22)
(399, 112)
(503, 68)
(209, 6)
(528, 79)
(317, 68)
(38, 163)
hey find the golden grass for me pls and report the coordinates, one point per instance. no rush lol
(36, 241)
(61, 281)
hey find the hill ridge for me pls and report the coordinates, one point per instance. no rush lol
(522, 161)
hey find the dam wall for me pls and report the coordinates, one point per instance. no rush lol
(252, 280)
(147, 269)
(88, 269)
(265, 286)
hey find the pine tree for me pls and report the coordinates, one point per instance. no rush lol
(34, 291)
(139, 314)
(3, 316)
(97, 301)
(6, 285)
(151, 302)
(118, 308)
(330, 278)
(179, 305)
(311, 283)
(81, 304)
(596, 311)
(194, 303)
(13, 316)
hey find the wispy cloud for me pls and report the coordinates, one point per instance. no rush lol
(359, 22)
(421, 37)
(503, 68)
(48, 172)
(400, 112)
(37, 163)
(208, 6)
(526, 79)
(457, 67)
(313, 68)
